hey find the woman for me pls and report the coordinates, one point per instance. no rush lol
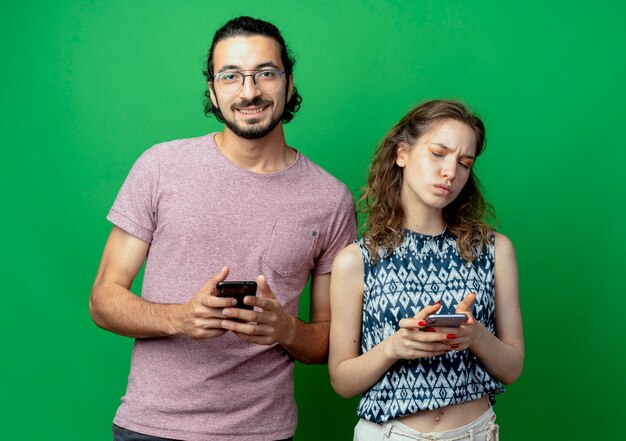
(426, 250)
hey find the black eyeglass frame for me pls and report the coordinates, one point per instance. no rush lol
(243, 75)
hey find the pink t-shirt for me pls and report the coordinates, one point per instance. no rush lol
(200, 212)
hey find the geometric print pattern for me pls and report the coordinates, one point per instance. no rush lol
(422, 270)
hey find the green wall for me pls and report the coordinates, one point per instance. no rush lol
(87, 86)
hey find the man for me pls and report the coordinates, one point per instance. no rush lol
(239, 204)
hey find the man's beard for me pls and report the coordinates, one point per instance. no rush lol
(252, 131)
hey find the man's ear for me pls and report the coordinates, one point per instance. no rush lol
(402, 154)
(212, 95)
(290, 88)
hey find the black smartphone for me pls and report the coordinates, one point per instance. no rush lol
(445, 320)
(237, 290)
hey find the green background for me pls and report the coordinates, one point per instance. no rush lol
(87, 86)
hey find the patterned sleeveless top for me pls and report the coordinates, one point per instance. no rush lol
(422, 270)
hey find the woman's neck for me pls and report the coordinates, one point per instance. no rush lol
(424, 220)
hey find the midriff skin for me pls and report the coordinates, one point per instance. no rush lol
(446, 418)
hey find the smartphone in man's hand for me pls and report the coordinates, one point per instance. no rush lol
(237, 290)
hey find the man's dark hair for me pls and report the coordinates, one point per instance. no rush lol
(248, 26)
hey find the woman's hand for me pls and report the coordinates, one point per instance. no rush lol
(411, 342)
(469, 331)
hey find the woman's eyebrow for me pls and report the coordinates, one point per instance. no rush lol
(445, 147)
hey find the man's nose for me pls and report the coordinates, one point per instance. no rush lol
(249, 89)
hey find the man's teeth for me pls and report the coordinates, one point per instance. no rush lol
(250, 111)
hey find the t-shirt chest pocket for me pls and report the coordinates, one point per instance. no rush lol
(291, 247)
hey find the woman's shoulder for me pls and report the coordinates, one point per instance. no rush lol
(348, 265)
(504, 251)
(502, 243)
(350, 257)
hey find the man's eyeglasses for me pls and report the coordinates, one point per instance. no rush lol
(231, 81)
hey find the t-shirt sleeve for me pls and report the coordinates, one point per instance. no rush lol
(341, 231)
(134, 209)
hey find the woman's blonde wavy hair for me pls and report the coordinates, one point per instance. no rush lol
(467, 217)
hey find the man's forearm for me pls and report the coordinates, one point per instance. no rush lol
(307, 342)
(118, 310)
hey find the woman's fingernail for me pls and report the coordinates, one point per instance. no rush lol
(421, 323)
(438, 301)
(429, 330)
(451, 336)
(454, 346)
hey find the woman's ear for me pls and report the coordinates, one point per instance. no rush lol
(402, 154)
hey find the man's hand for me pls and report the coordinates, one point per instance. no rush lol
(201, 317)
(265, 326)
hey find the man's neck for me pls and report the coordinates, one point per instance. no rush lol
(266, 155)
